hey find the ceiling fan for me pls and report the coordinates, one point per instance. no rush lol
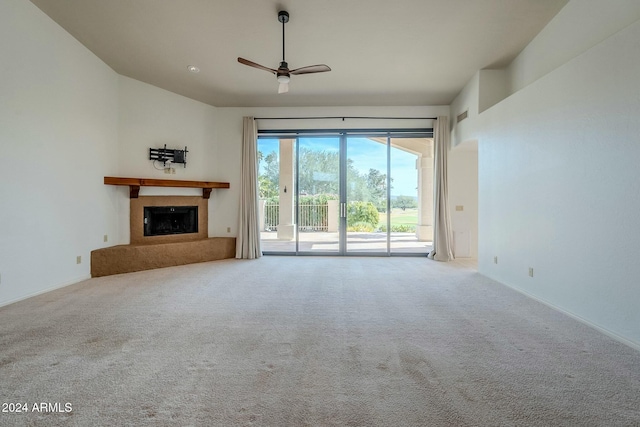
(283, 73)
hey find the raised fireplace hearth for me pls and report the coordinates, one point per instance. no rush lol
(129, 258)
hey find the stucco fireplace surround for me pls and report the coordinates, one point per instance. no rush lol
(148, 252)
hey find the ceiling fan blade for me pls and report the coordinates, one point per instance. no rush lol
(258, 66)
(283, 88)
(320, 68)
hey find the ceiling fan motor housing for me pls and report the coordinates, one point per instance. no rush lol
(283, 73)
(283, 16)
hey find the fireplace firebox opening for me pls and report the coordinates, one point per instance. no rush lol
(166, 220)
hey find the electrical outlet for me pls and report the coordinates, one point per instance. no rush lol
(530, 271)
(78, 259)
(459, 207)
(228, 229)
(495, 259)
(106, 237)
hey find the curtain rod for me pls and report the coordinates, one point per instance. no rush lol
(345, 117)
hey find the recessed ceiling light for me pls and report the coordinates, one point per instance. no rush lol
(193, 69)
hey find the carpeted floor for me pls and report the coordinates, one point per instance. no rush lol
(308, 341)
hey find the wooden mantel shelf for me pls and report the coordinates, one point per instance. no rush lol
(135, 184)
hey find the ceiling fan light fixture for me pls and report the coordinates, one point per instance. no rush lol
(283, 78)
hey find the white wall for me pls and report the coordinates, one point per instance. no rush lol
(558, 179)
(58, 139)
(230, 138)
(463, 191)
(467, 100)
(492, 88)
(150, 117)
(485, 89)
(463, 157)
(579, 26)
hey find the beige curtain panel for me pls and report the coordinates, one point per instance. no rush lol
(442, 232)
(248, 240)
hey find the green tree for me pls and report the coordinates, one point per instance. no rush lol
(268, 174)
(404, 202)
(268, 189)
(362, 212)
(272, 168)
(318, 171)
(377, 185)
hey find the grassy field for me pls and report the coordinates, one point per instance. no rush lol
(400, 217)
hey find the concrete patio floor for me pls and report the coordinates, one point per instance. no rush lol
(324, 242)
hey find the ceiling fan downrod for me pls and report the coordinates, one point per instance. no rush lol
(283, 16)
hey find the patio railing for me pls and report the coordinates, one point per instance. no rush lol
(311, 217)
(271, 215)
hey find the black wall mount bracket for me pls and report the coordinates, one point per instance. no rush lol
(165, 155)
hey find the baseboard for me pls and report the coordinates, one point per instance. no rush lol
(607, 332)
(44, 291)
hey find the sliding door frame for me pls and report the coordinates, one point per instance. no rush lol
(343, 135)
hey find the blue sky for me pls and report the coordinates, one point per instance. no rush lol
(366, 154)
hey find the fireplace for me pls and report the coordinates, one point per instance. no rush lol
(172, 244)
(168, 219)
(165, 220)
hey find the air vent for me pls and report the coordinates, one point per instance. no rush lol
(462, 116)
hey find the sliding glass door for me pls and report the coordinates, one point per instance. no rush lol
(365, 193)
(318, 208)
(276, 178)
(411, 196)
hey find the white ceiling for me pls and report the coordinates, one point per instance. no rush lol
(382, 53)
